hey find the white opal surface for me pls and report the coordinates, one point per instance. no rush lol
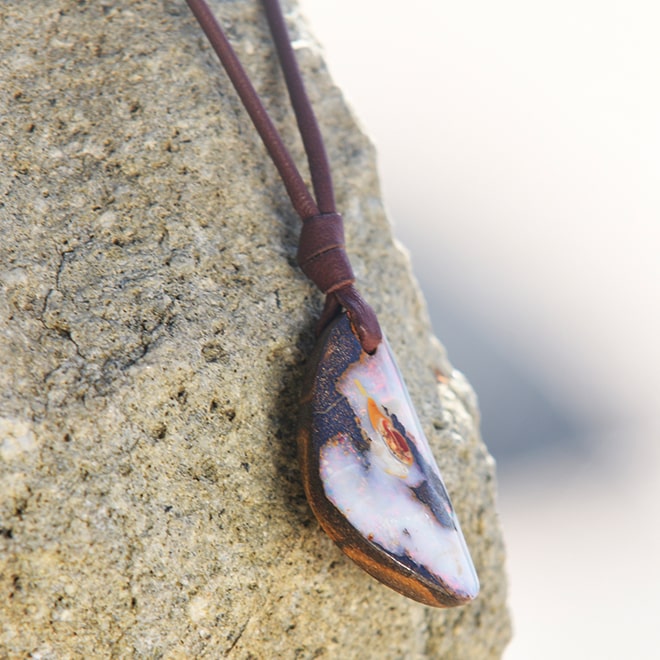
(376, 482)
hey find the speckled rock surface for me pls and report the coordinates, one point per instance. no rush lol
(153, 334)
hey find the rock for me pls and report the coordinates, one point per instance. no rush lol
(155, 329)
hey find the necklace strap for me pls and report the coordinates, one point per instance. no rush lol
(321, 253)
(319, 167)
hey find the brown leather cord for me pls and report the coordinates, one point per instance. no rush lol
(302, 201)
(319, 167)
(321, 253)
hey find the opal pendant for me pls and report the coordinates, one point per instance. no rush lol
(370, 477)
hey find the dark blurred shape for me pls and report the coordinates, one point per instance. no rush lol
(519, 421)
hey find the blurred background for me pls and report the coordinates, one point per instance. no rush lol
(519, 152)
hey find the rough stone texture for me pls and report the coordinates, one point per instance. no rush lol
(154, 332)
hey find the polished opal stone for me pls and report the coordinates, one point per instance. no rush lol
(370, 477)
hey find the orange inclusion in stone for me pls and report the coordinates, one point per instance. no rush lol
(395, 441)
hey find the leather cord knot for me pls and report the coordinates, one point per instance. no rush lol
(322, 257)
(321, 253)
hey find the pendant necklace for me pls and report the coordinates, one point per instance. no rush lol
(367, 469)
